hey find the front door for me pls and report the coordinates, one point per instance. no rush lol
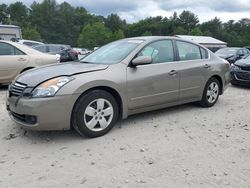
(11, 62)
(156, 83)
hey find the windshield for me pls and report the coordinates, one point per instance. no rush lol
(227, 51)
(112, 53)
(247, 57)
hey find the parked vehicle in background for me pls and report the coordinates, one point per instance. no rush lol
(248, 47)
(65, 51)
(68, 55)
(122, 78)
(240, 71)
(30, 43)
(232, 54)
(82, 51)
(16, 58)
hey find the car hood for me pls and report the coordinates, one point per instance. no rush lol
(225, 56)
(36, 76)
(243, 63)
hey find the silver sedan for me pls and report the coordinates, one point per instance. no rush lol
(122, 78)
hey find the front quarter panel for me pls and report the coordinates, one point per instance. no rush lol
(113, 77)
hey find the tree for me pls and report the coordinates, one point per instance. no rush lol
(196, 32)
(118, 35)
(188, 20)
(94, 35)
(30, 33)
(114, 23)
(4, 14)
(147, 33)
(212, 28)
(18, 13)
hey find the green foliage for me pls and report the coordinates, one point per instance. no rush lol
(62, 23)
(114, 23)
(147, 33)
(18, 13)
(118, 35)
(188, 20)
(196, 32)
(94, 35)
(30, 33)
(4, 14)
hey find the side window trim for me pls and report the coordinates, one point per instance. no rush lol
(14, 49)
(200, 47)
(17, 49)
(173, 48)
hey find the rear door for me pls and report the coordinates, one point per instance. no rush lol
(156, 83)
(12, 60)
(194, 69)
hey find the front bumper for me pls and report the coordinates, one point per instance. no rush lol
(240, 78)
(53, 113)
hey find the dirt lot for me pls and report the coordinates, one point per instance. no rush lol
(184, 146)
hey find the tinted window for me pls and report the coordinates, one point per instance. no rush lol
(55, 48)
(30, 43)
(188, 51)
(6, 49)
(240, 52)
(246, 51)
(204, 53)
(41, 48)
(160, 51)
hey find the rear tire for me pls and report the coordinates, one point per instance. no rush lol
(211, 93)
(95, 113)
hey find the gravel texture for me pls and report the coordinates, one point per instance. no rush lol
(183, 146)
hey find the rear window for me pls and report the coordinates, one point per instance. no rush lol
(188, 51)
(204, 53)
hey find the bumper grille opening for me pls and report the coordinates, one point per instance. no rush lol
(17, 89)
(245, 68)
(25, 118)
(243, 76)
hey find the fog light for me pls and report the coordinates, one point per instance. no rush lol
(30, 119)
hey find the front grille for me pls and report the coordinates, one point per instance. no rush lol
(17, 88)
(243, 76)
(245, 68)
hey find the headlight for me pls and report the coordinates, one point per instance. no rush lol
(50, 87)
(235, 67)
(58, 56)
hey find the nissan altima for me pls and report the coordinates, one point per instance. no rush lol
(122, 78)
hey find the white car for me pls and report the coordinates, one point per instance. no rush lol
(16, 58)
(82, 51)
(30, 43)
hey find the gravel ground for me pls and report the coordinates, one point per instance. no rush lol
(184, 146)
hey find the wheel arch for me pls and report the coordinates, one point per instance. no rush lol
(110, 90)
(220, 81)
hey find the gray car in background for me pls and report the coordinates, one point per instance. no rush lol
(122, 78)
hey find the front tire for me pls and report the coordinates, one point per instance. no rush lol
(95, 113)
(211, 93)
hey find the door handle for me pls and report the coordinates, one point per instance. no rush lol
(172, 72)
(21, 59)
(207, 66)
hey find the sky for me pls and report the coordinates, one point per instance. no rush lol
(134, 10)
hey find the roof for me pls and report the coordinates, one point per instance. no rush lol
(9, 26)
(202, 39)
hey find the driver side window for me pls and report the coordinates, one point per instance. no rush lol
(160, 51)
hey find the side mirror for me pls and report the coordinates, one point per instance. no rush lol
(142, 60)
